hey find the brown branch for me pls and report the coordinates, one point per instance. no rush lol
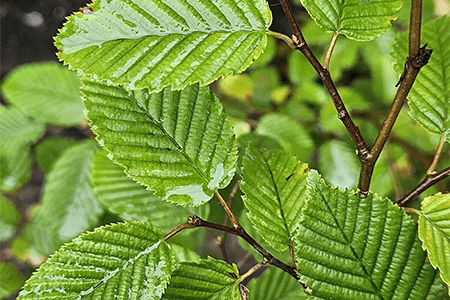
(418, 57)
(430, 180)
(196, 221)
(301, 45)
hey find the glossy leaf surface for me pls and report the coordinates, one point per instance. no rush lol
(274, 186)
(349, 247)
(47, 92)
(206, 279)
(153, 44)
(69, 206)
(358, 20)
(429, 98)
(120, 261)
(178, 143)
(434, 231)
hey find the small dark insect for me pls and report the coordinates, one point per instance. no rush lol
(86, 10)
(289, 177)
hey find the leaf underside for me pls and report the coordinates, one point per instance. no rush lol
(358, 20)
(120, 261)
(178, 143)
(434, 231)
(275, 186)
(350, 247)
(153, 43)
(429, 98)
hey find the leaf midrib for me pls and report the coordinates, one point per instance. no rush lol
(447, 238)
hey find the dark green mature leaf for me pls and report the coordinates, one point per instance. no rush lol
(130, 200)
(47, 92)
(153, 43)
(429, 98)
(274, 185)
(350, 247)
(178, 143)
(275, 284)
(10, 280)
(69, 206)
(48, 152)
(206, 279)
(358, 20)
(434, 231)
(120, 261)
(9, 216)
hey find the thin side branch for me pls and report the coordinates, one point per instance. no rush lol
(436, 156)
(282, 37)
(326, 60)
(228, 210)
(301, 45)
(430, 180)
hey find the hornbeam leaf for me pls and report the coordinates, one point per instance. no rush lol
(117, 262)
(274, 185)
(434, 231)
(153, 44)
(178, 143)
(205, 279)
(9, 217)
(130, 200)
(10, 280)
(69, 206)
(353, 247)
(358, 20)
(429, 98)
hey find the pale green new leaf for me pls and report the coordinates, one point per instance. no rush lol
(178, 143)
(130, 200)
(358, 20)
(153, 43)
(10, 280)
(69, 206)
(429, 98)
(275, 284)
(9, 216)
(47, 91)
(275, 186)
(434, 231)
(48, 151)
(116, 262)
(353, 247)
(205, 279)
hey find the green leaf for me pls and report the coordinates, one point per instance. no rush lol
(9, 216)
(47, 92)
(339, 164)
(274, 185)
(17, 132)
(206, 279)
(120, 261)
(10, 280)
(293, 137)
(351, 247)
(361, 21)
(275, 284)
(154, 44)
(429, 98)
(178, 143)
(69, 206)
(434, 231)
(48, 152)
(129, 199)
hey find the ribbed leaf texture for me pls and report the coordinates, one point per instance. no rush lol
(69, 206)
(206, 279)
(434, 231)
(17, 133)
(153, 43)
(358, 20)
(429, 98)
(10, 280)
(9, 217)
(47, 92)
(275, 186)
(275, 284)
(117, 262)
(178, 143)
(129, 199)
(350, 247)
